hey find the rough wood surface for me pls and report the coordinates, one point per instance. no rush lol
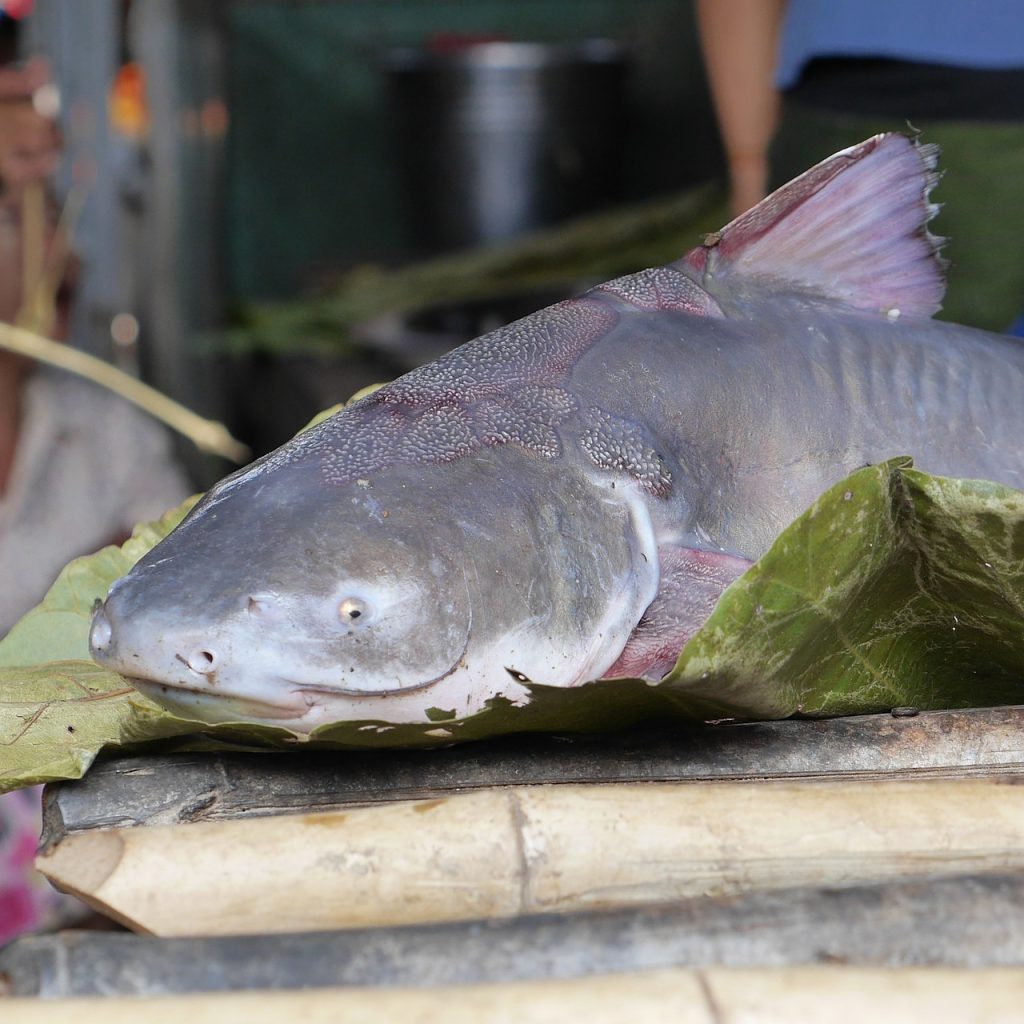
(954, 922)
(529, 849)
(164, 790)
(836, 995)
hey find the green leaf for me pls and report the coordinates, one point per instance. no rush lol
(894, 588)
(52, 631)
(57, 707)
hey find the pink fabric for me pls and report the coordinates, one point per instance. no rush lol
(27, 902)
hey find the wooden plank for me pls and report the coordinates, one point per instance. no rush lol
(836, 995)
(953, 922)
(520, 850)
(166, 790)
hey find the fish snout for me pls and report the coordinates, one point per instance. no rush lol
(105, 640)
(101, 633)
(115, 644)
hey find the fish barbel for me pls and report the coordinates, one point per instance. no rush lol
(565, 499)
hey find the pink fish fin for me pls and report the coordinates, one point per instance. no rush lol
(853, 228)
(692, 580)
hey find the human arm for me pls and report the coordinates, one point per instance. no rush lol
(739, 40)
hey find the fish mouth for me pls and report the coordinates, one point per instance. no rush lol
(334, 691)
(187, 701)
(181, 698)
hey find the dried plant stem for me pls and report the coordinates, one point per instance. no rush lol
(33, 256)
(208, 435)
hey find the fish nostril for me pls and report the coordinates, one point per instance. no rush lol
(203, 662)
(259, 604)
(100, 633)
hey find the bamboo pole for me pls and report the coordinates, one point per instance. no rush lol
(166, 789)
(207, 435)
(839, 995)
(974, 921)
(519, 850)
(830, 995)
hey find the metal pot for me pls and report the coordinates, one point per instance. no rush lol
(498, 138)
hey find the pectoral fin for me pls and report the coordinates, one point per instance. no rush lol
(691, 582)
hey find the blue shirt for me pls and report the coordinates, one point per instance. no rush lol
(978, 34)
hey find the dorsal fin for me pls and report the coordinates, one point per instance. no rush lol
(853, 228)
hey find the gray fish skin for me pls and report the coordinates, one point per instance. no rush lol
(565, 498)
(755, 418)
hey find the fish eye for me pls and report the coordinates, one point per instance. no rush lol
(353, 610)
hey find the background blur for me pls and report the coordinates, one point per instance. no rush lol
(247, 152)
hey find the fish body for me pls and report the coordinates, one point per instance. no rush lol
(566, 498)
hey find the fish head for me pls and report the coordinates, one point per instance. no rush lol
(290, 597)
(277, 598)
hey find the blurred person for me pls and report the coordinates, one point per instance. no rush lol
(29, 143)
(78, 465)
(794, 82)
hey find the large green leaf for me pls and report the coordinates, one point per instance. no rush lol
(894, 588)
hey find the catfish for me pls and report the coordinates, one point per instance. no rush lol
(565, 499)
